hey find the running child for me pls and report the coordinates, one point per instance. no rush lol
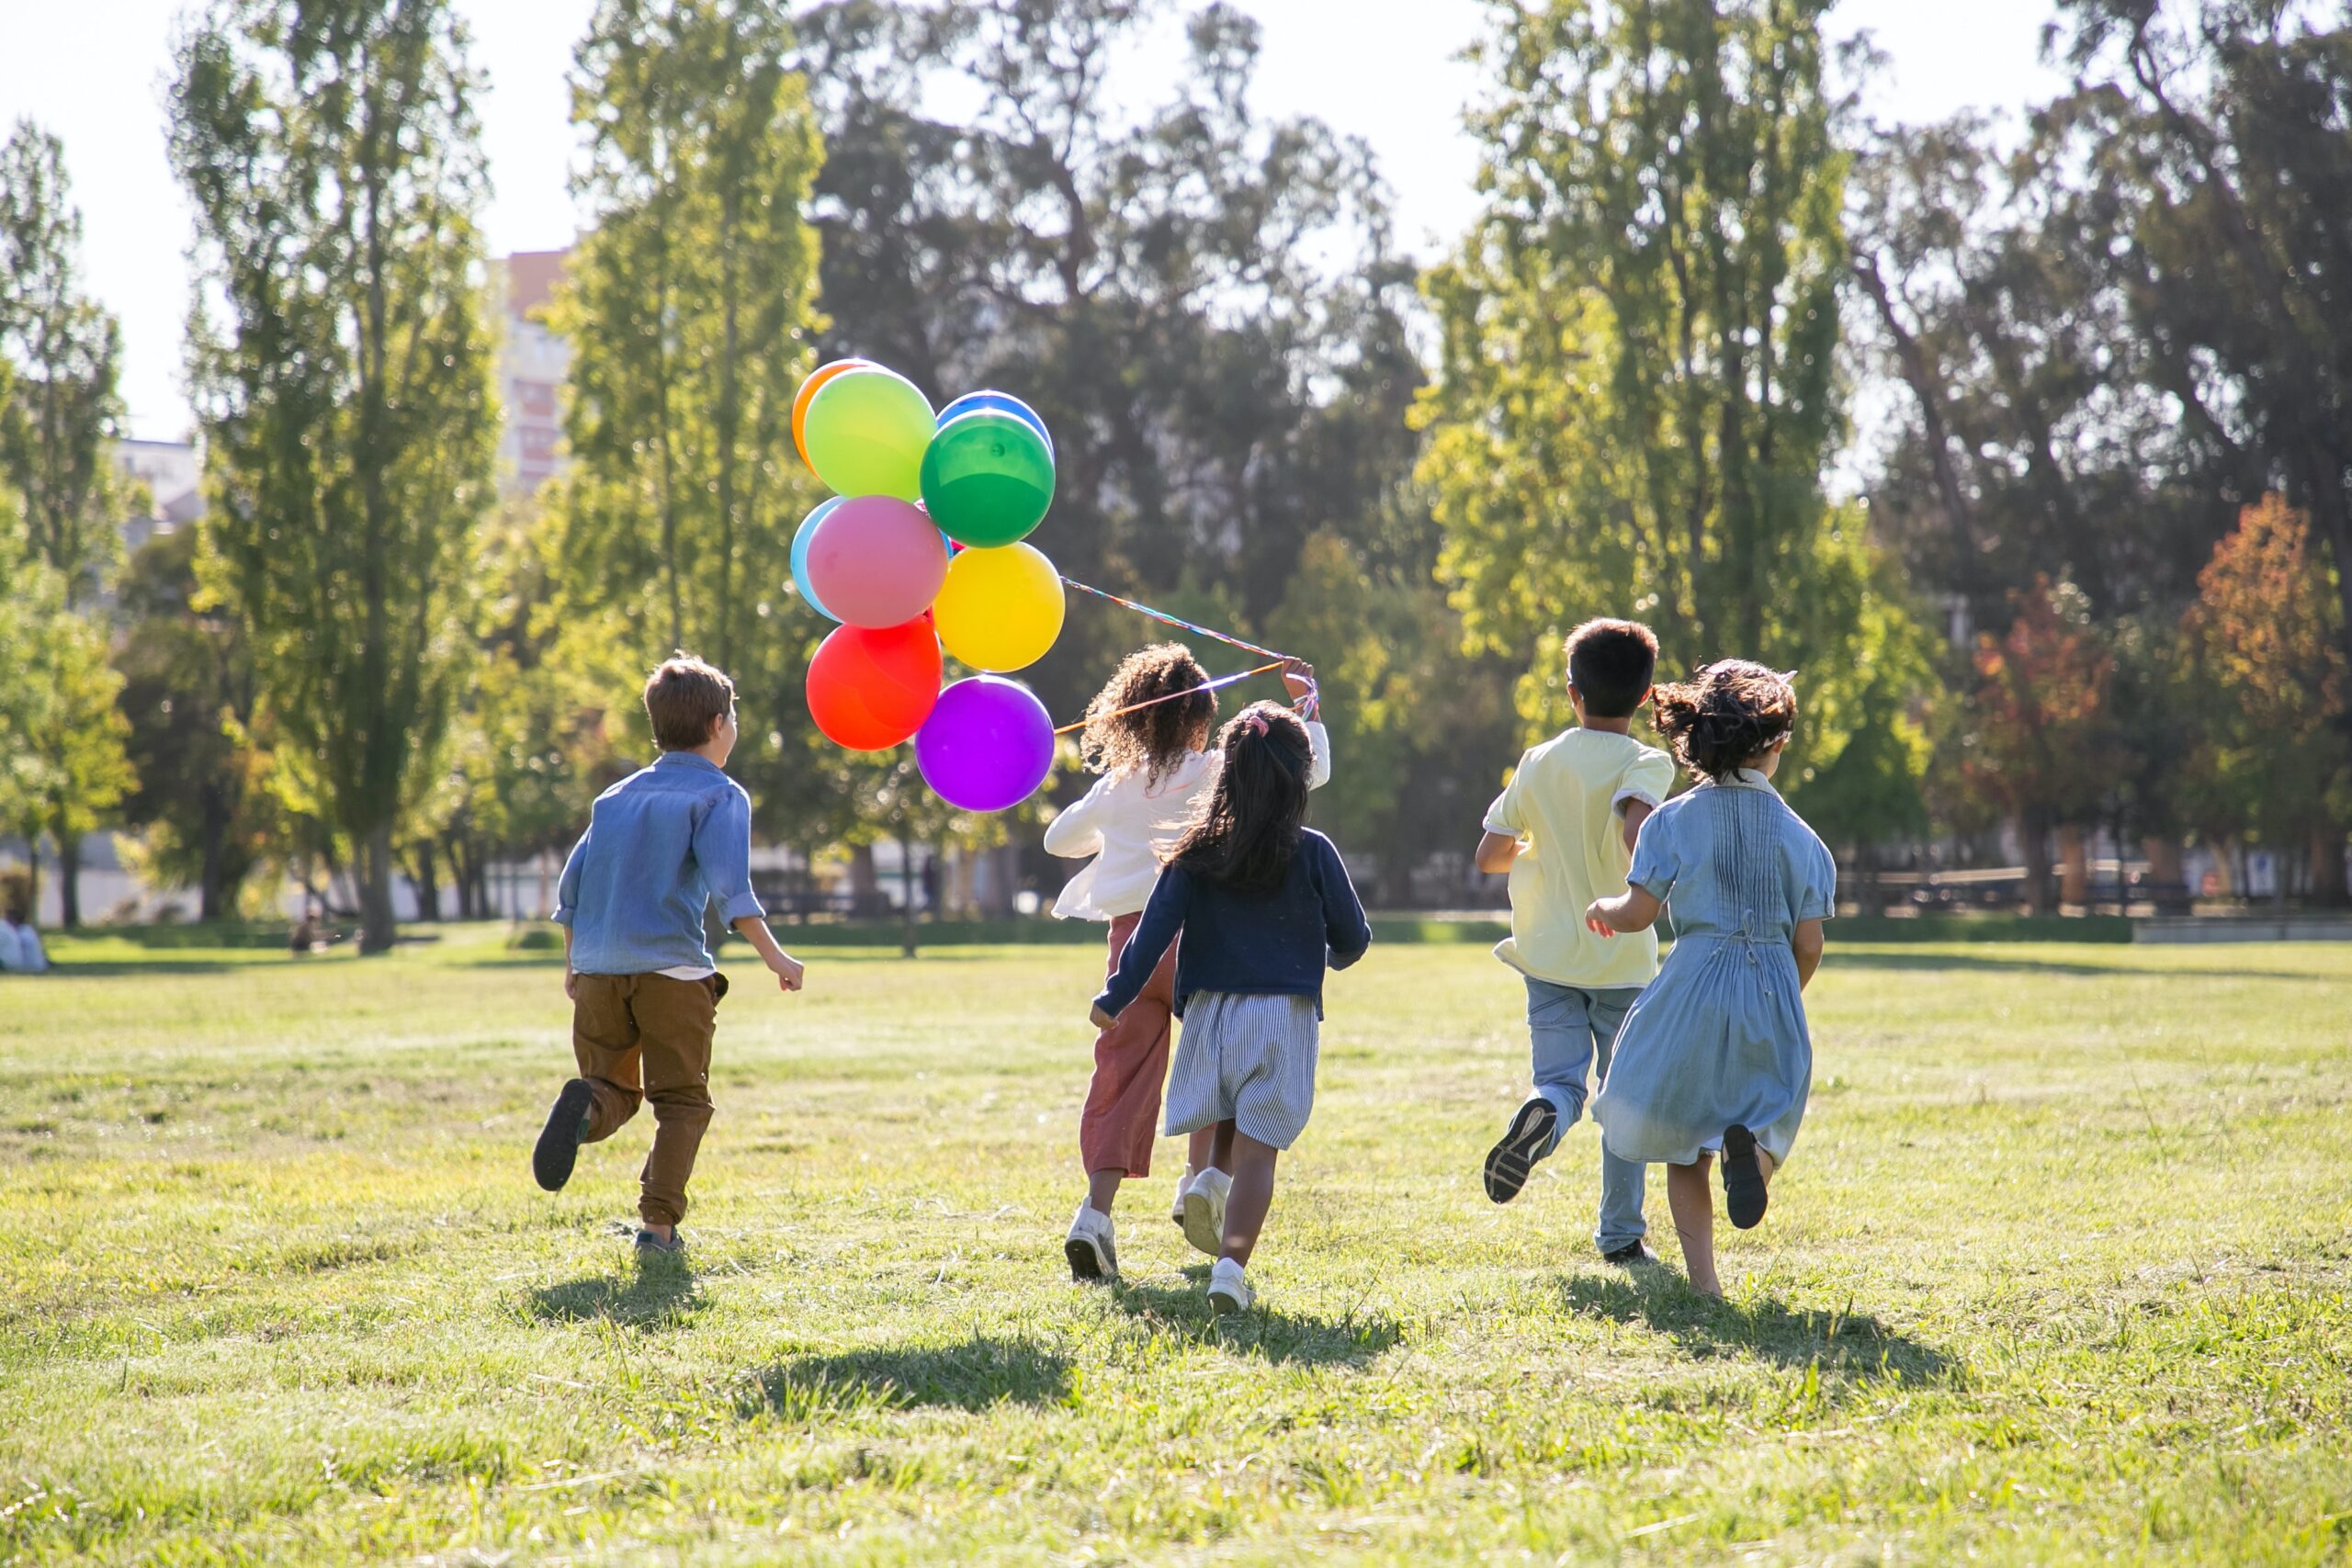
(1148, 735)
(1565, 829)
(1716, 1057)
(661, 846)
(1264, 904)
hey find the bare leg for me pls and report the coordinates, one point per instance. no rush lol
(1252, 1195)
(1101, 1188)
(1219, 1150)
(1200, 1152)
(1694, 1207)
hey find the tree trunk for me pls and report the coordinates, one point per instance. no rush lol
(211, 897)
(2327, 868)
(429, 885)
(865, 883)
(906, 900)
(69, 880)
(2075, 863)
(2168, 869)
(2033, 837)
(377, 926)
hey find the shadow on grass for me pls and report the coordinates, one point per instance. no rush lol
(975, 1375)
(657, 1296)
(1848, 1342)
(1275, 1336)
(1880, 958)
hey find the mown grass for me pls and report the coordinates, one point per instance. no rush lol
(2059, 1274)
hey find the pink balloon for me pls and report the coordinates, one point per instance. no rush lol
(875, 562)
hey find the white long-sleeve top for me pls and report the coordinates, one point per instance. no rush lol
(1127, 822)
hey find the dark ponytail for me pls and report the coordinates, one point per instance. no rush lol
(1733, 711)
(1246, 834)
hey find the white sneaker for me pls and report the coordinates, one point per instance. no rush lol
(1093, 1248)
(1205, 1211)
(1176, 1206)
(1229, 1288)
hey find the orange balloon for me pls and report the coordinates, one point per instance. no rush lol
(817, 377)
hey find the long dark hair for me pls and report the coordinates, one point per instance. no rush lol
(1735, 709)
(1152, 740)
(1246, 834)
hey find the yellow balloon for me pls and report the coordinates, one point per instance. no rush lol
(1001, 609)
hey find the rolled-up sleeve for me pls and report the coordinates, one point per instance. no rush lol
(723, 849)
(567, 886)
(1319, 753)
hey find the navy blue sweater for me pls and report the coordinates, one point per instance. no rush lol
(1250, 944)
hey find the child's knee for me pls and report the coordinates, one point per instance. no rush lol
(687, 1105)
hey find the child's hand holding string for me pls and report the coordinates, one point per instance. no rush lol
(1298, 678)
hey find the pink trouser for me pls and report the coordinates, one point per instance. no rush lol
(1122, 1116)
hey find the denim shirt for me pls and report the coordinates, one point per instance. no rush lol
(660, 846)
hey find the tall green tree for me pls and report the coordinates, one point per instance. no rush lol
(1207, 306)
(341, 363)
(688, 307)
(189, 696)
(67, 349)
(1638, 393)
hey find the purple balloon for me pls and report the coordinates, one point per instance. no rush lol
(988, 744)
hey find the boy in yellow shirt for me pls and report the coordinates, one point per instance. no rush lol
(1564, 828)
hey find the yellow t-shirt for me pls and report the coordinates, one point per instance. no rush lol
(1563, 804)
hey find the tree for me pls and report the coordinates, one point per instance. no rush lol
(2035, 745)
(67, 350)
(1206, 304)
(2273, 686)
(1638, 394)
(187, 696)
(2220, 134)
(341, 369)
(68, 759)
(687, 307)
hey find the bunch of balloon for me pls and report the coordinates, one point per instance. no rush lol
(918, 550)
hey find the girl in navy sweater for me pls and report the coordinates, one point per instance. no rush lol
(1264, 905)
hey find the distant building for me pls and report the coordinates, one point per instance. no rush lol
(173, 478)
(532, 362)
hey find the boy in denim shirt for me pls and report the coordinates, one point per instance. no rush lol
(1565, 829)
(661, 846)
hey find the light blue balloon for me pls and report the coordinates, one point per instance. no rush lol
(999, 402)
(805, 532)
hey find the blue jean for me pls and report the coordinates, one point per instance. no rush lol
(1572, 1029)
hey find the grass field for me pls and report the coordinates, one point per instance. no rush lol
(2059, 1274)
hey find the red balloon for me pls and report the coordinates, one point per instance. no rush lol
(870, 689)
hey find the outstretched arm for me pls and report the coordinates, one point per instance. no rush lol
(1635, 909)
(1163, 917)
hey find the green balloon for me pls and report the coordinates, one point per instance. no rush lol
(987, 479)
(867, 430)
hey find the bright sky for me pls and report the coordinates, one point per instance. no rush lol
(93, 73)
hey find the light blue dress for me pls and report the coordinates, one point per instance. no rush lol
(1719, 1037)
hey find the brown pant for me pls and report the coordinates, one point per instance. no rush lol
(641, 1037)
(1122, 1116)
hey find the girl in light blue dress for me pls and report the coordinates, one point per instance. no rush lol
(1714, 1057)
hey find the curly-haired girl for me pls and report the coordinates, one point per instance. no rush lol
(1714, 1057)
(1148, 735)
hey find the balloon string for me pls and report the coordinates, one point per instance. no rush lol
(1307, 705)
(1172, 696)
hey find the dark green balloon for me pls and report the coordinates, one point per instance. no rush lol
(986, 480)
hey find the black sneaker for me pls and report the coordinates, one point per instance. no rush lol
(558, 1146)
(1632, 1255)
(1745, 1196)
(1508, 1162)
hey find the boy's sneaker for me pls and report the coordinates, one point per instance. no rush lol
(1229, 1288)
(1092, 1248)
(651, 1243)
(1635, 1254)
(558, 1146)
(1176, 1204)
(1205, 1211)
(1509, 1161)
